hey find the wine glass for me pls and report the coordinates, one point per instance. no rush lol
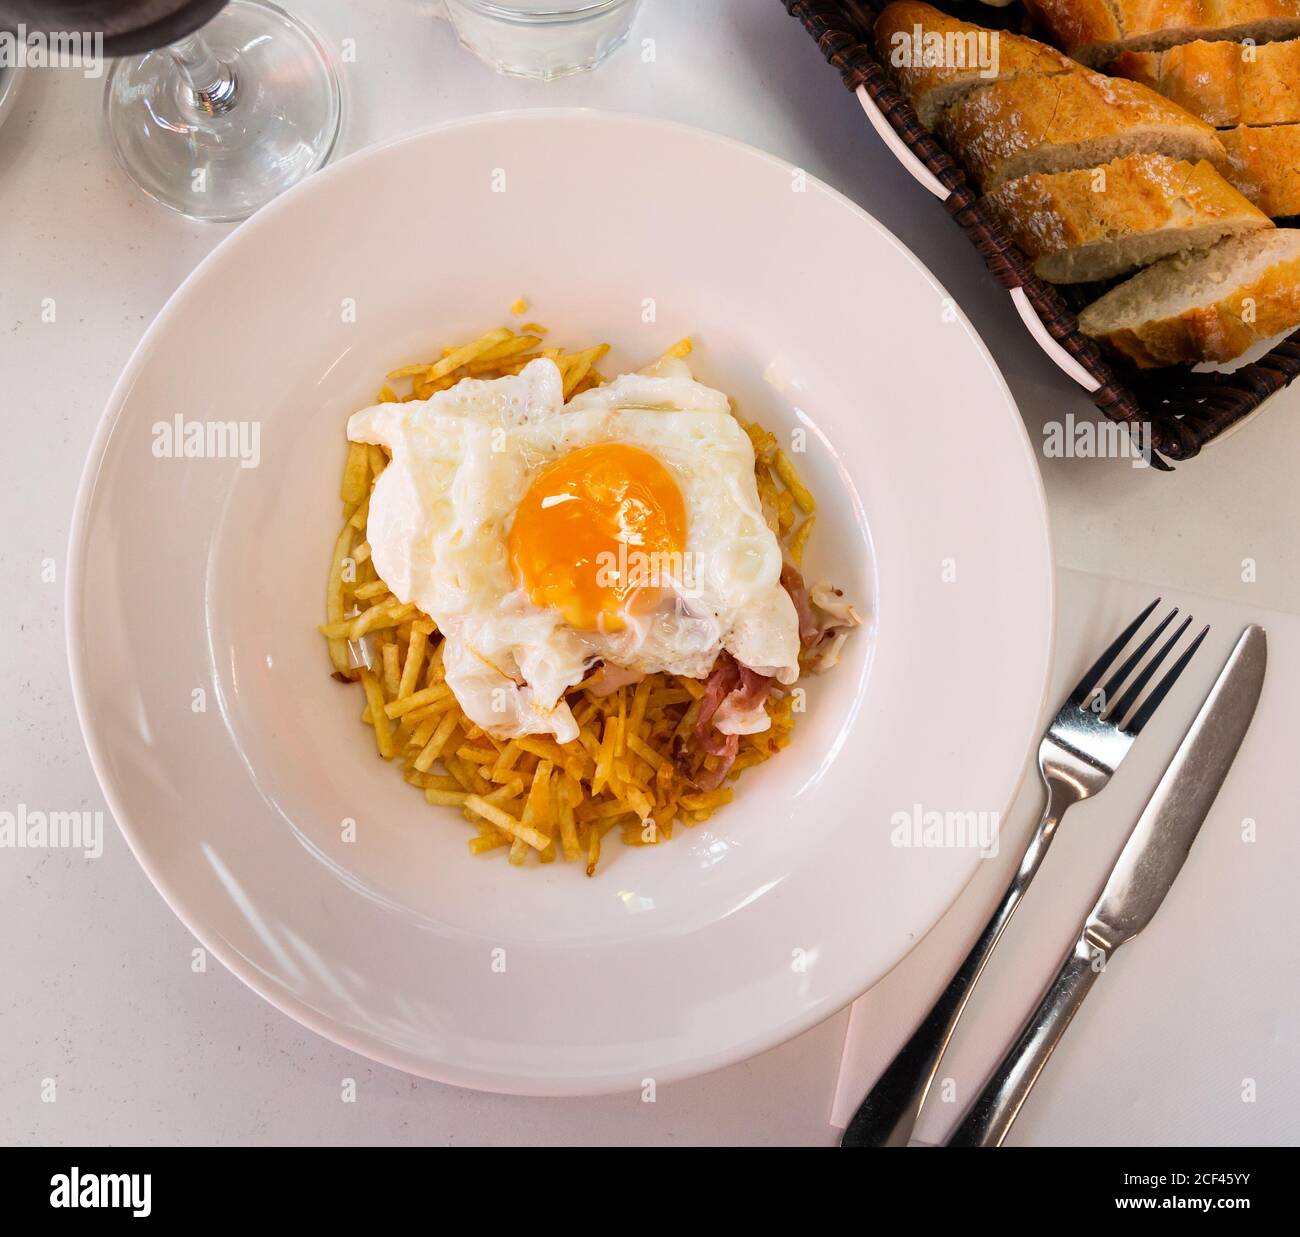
(219, 121)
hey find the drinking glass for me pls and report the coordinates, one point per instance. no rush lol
(542, 38)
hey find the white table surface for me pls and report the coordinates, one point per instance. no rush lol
(96, 988)
(1203, 1000)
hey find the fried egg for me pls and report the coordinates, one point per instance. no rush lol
(542, 537)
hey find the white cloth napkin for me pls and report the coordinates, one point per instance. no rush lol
(1190, 1036)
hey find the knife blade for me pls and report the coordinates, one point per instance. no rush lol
(1143, 874)
(1162, 838)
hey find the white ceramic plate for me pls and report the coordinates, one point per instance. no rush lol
(199, 575)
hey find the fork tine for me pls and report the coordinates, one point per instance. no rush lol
(1152, 702)
(1116, 680)
(1102, 664)
(1129, 698)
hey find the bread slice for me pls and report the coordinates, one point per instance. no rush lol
(936, 59)
(1225, 84)
(1080, 26)
(1096, 31)
(1265, 165)
(1097, 223)
(1073, 120)
(1208, 307)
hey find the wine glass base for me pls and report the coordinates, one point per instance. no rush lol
(222, 160)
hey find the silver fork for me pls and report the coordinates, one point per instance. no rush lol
(1080, 751)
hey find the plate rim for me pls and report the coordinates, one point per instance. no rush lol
(278, 997)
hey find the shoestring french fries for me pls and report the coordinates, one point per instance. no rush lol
(531, 797)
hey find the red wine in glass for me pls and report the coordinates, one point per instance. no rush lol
(127, 25)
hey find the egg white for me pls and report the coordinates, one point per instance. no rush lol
(441, 512)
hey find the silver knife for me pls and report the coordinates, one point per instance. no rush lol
(1146, 869)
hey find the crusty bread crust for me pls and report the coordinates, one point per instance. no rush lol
(1031, 136)
(1036, 124)
(1224, 83)
(1219, 330)
(1077, 24)
(1265, 165)
(932, 86)
(1144, 67)
(1093, 223)
(1096, 31)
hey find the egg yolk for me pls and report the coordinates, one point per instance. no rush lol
(596, 533)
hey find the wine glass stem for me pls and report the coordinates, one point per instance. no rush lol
(211, 81)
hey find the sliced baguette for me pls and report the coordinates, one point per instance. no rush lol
(1208, 307)
(1080, 26)
(945, 64)
(1097, 223)
(1225, 84)
(1265, 165)
(1074, 120)
(1097, 31)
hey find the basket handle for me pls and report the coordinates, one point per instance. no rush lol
(902, 152)
(1049, 345)
(908, 158)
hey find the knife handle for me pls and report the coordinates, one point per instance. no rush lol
(990, 1117)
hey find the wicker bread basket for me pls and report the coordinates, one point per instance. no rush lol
(1184, 408)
